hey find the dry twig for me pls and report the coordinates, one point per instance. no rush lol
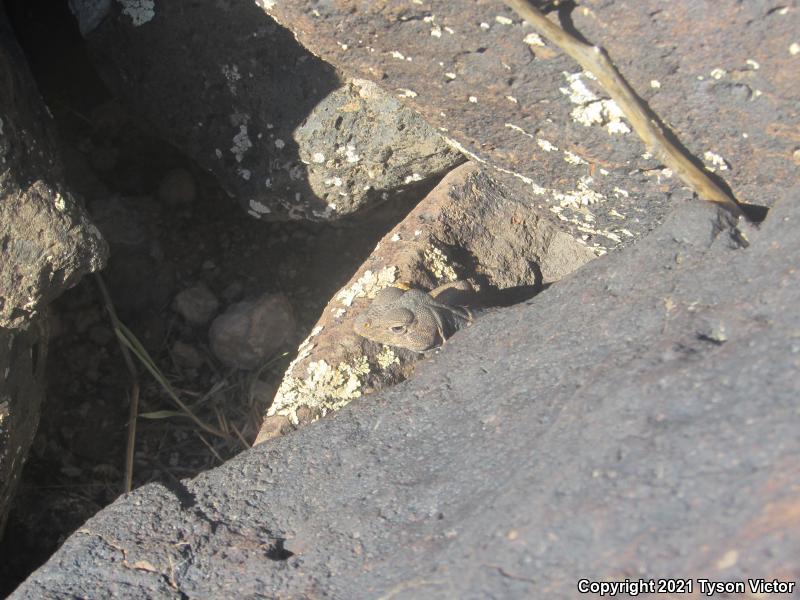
(647, 125)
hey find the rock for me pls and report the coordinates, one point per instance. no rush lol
(360, 145)
(47, 243)
(482, 77)
(250, 332)
(177, 187)
(187, 355)
(253, 107)
(196, 304)
(469, 228)
(549, 442)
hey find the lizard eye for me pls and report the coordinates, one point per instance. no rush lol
(398, 328)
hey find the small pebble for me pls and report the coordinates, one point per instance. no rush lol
(250, 332)
(196, 304)
(187, 355)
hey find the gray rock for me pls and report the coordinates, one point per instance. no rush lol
(360, 145)
(196, 304)
(232, 89)
(187, 355)
(551, 441)
(477, 73)
(250, 332)
(46, 245)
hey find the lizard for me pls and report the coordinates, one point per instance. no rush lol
(415, 319)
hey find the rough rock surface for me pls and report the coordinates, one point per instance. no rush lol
(360, 143)
(480, 74)
(270, 120)
(468, 228)
(249, 333)
(23, 354)
(46, 245)
(601, 430)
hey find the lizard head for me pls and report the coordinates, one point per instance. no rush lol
(400, 318)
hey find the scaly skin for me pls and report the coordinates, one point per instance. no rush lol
(411, 319)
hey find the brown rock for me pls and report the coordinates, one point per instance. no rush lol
(196, 304)
(250, 332)
(470, 228)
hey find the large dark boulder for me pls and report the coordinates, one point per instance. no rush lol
(638, 418)
(280, 129)
(46, 245)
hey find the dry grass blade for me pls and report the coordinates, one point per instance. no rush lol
(646, 124)
(138, 350)
(134, 392)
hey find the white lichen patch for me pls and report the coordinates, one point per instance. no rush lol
(546, 145)
(537, 189)
(715, 161)
(318, 158)
(280, 144)
(397, 55)
(437, 263)
(140, 11)
(406, 93)
(265, 4)
(753, 64)
(324, 388)
(591, 110)
(583, 196)
(573, 158)
(367, 285)
(794, 48)
(386, 357)
(534, 39)
(503, 20)
(457, 146)
(436, 31)
(241, 143)
(60, 202)
(519, 129)
(620, 193)
(350, 154)
(412, 178)
(655, 84)
(232, 75)
(473, 99)
(718, 73)
(259, 208)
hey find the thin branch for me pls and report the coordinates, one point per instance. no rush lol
(595, 60)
